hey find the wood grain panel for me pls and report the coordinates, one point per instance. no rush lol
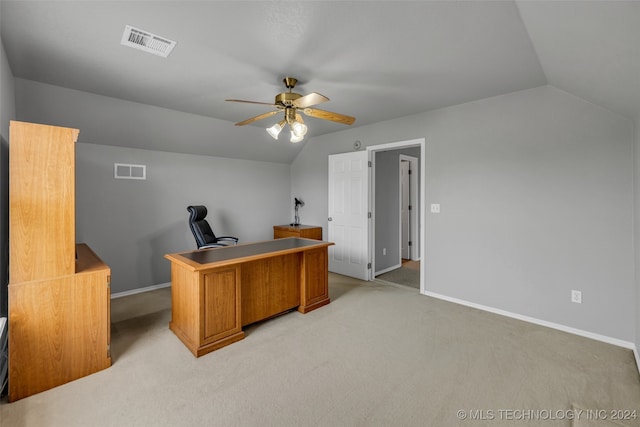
(269, 287)
(303, 231)
(220, 312)
(315, 280)
(59, 331)
(281, 234)
(42, 201)
(185, 306)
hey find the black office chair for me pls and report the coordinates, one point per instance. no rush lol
(202, 231)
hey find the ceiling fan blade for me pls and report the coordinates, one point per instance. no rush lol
(309, 100)
(256, 118)
(328, 115)
(252, 102)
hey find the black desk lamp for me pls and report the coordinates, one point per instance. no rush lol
(298, 203)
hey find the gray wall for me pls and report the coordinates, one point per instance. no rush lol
(110, 121)
(131, 224)
(7, 113)
(387, 197)
(536, 194)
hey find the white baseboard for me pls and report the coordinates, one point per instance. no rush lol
(635, 352)
(140, 290)
(580, 332)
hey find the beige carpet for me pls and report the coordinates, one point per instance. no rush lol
(585, 417)
(408, 274)
(378, 355)
(402, 276)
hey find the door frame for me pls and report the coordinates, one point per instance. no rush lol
(414, 223)
(414, 218)
(371, 150)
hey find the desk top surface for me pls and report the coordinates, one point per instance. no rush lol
(245, 252)
(295, 227)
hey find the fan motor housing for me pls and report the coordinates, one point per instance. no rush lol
(286, 98)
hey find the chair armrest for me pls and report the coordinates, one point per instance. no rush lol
(213, 245)
(228, 238)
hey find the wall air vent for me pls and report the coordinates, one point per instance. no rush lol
(125, 171)
(146, 41)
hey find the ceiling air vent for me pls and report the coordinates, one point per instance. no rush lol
(146, 41)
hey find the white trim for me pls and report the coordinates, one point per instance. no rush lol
(371, 229)
(400, 210)
(580, 332)
(414, 198)
(635, 352)
(419, 142)
(140, 290)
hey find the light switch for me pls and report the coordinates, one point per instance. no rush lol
(435, 207)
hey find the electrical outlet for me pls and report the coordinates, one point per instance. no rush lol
(435, 207)
(384, 251)
(576, 296)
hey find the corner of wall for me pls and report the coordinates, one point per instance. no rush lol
(7, 113)
(636, 228)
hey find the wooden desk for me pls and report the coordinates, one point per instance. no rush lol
(215, 292)
(304, 231)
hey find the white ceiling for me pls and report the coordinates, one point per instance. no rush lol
(375, 60)
(590, 49)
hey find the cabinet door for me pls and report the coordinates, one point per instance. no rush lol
(59, 331)
(41, 201)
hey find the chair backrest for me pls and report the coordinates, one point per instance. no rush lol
(199, 226)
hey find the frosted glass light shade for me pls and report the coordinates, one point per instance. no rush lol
(275, 130)
(296, 138)
(300, 129)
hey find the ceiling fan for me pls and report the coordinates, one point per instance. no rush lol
(292, 104)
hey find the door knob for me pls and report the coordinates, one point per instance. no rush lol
(330, 219)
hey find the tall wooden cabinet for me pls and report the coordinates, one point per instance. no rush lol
(59, 291)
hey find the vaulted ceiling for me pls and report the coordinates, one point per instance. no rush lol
(375, 60)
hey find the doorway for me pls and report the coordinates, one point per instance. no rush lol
(396, 238)
(357, 246)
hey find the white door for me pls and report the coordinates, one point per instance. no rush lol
(405, 212)
(348, 214)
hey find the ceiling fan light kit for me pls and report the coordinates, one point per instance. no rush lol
(295, 138)
(275, 130)
(290, 102)
(298, 127)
